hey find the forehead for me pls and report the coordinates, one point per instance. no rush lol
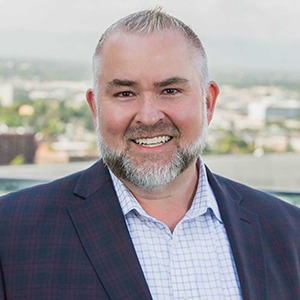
(165, 38)
(135, 52)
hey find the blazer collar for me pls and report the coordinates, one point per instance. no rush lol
(101, 227)
(245, 237)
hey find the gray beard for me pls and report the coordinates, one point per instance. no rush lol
(145, 177)
(156, 175)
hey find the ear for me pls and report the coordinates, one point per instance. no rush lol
(211, 99)
(90, 97)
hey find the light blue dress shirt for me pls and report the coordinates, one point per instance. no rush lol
(193, 262)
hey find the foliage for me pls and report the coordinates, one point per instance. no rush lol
(230, 142)
(18, 160)
(50, 117)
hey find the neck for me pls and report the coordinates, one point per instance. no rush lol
(169, 203)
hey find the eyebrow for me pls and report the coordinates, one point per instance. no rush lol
(119, 82)
(170, 81)
(129, 83)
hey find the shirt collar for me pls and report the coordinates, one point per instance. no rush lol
(127, 201)
(204, 200)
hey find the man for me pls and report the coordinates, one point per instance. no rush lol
(149, 221)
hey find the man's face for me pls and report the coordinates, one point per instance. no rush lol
(151, 108)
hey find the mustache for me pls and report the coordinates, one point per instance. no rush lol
(160, 128)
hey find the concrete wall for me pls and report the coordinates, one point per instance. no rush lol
(274, 171)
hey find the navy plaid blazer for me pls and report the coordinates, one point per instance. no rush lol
(68, 240)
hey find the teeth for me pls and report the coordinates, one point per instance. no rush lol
(152, 141)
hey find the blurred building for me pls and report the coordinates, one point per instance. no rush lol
(17, 147)
(6, 94)
(289, 110)
(273, 110)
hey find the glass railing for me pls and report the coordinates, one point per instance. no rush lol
(11, 184)
(291, 197)
(8, 185)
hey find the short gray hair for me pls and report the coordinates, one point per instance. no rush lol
(147, 22)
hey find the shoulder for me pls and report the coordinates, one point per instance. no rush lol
(265, 205)
(51, 196)
(277, 220)
(30, 201)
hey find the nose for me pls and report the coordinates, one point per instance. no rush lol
(149, 111)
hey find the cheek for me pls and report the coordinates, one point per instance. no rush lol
(113, 122)
(189, 121)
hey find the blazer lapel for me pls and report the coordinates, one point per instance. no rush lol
(244, 233)
(101, 227)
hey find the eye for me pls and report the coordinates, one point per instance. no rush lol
(124, 94)
(170, 91)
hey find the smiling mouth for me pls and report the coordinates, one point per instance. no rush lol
(153, 142)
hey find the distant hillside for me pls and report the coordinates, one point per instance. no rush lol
(39, 69)
(247, 78)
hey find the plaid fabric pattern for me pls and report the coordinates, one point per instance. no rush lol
(193, 262)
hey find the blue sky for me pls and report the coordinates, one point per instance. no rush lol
(236, 33)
